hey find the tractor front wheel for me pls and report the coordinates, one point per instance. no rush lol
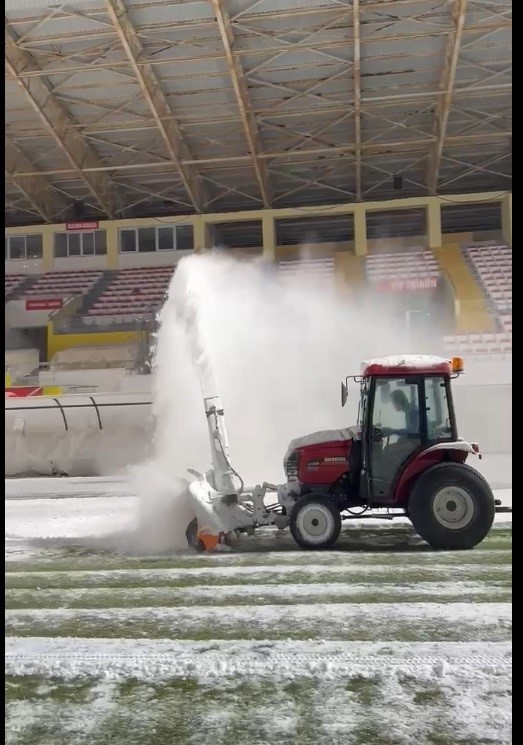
(192, 536)
(315, 523)
(452, 507)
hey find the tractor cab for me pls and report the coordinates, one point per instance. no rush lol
(406, 412)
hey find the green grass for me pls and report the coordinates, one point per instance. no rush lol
(396, 709)
(354, 711)
(171, 597)
(390, 550)
(359, 629)
(382, 575)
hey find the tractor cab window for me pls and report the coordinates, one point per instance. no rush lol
(439, 424)
(395, 432)
(396, 407)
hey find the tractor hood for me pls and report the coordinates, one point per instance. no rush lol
(328, 435)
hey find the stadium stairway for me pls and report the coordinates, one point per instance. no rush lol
(99, 288)
(472, 313)
(350, 271)
(19, 290)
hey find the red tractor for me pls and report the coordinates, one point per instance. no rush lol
(404, 455)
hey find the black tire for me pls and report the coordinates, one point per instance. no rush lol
(192, 536)
(452, 507)
(327, 515)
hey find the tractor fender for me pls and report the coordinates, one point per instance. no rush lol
(457, 451)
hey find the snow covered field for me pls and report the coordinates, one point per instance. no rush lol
(381, 642)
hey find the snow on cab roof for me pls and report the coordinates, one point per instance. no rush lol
(403, 364)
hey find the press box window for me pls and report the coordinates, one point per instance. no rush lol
(93, 243)
(158, 238)
(23, 247)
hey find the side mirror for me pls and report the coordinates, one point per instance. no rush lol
(344, 394)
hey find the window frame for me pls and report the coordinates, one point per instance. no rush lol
(136, 231)
(445, 383)
(25, 257)
(80, 233)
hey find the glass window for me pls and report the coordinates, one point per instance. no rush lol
(17, 247)
(87, 244)
(100, 243)
(184, 238)
(396, 406)
(156, 238)
(127, 240)
(74, 244)
(439, 426)
(166, 239)
(79, 244)
(34, 246)
(146, 240)
(60, 245)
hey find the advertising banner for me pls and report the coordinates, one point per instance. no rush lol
(44, 304)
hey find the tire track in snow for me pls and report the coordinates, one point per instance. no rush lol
(148, 660)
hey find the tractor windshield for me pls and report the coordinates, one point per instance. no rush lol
(399, 405)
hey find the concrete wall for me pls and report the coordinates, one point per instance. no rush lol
(75, 440)
(78, 435)
(17, 315)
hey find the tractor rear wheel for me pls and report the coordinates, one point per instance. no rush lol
(315, 522)
(452, 506)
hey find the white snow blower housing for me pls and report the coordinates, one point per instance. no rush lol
(403, 455)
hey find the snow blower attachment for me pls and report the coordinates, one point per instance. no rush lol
(403, 457)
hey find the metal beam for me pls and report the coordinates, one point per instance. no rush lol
(356, 76)
(60, 125)
(37, 190)
(446, 88)
(157, 102)
(242, 97)
(401, 147)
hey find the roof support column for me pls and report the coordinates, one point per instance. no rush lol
(269, 236)
(113, 247)
(360, 230)
(201, 235)
(506, 219)
(48, 248)
(433, 223)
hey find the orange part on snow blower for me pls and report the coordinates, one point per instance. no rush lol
(208, 540)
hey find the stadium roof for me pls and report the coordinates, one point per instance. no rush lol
(135, 108)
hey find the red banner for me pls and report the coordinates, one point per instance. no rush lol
(81, 225)
(23, 391)
(414, 284)
(45, 304)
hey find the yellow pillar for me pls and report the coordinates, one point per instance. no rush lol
(201, 235)
(506, 219)
(434, 223)
(48, 247)
(269, 236)
(113, 253)
(360, 230)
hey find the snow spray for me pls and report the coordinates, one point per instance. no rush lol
(276, 353)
